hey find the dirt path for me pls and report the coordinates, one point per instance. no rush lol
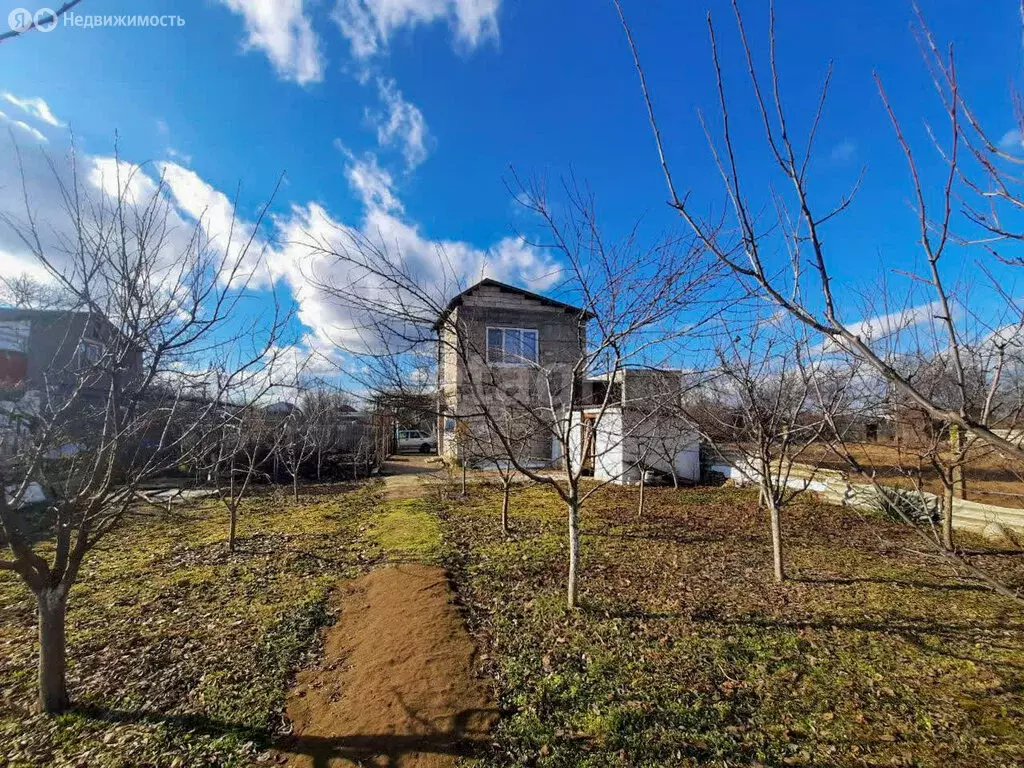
(396, 684)
(408, 476)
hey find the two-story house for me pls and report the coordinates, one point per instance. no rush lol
(47, 357)
(518, 360)
(48, 350)
(502, 345)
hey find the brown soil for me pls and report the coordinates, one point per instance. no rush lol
(396, 685)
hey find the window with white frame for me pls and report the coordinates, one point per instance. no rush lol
(512, 346)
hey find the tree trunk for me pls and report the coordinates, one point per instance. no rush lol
(574, 549)
(947, 517)
(643, 484)
(232, 510)
(779, 566)
(504, 508)
(53, 694)
(959, 480)
(464, 492)
(295, 486)
(957, 473)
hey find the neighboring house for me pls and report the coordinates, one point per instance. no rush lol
(521, 346)
(43, 354)
(869, 427)
(45, 351)
(281, 408)
(633, 423)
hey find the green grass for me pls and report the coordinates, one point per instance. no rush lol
(407, 530)
(180, 653)
(685, 652)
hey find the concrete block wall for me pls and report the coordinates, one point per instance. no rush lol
(560, 342)
(835, 487)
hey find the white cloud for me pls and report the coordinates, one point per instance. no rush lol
(37, 108)
(513, 259)
(289, 364)
(22, 125)
(844, 151)
(189, 202)
(331, 329)
(187, 216)
(112, 176)
(101, 180)
(882, 326)
(1010, 336)
(43, 188)
(283, 30)
(197, 198)
(401, 124)
(1012, 142)
(228, 232)
(886, 328)
(368, 24)
(180, 157)
(14, 265)
(436, 264)
(373, 184)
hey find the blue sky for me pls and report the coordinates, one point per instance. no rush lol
(404, 115)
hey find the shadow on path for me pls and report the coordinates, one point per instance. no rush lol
(463, 739)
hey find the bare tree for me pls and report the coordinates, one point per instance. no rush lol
(322, 406)
(964, 202)
(26, 292)
(645, 451)
(660, 448)
(928, 455)
(148, 331)
(491, 452)
(975, 169)
(935, 446)
(242, 443)
(297, 441)
(770, 405)
(660, 430)
(629, 296)
(464, 440)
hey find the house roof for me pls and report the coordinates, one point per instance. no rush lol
(14, 313)
(488, 282)
(97, 320)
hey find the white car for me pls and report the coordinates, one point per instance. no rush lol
(415, 440)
